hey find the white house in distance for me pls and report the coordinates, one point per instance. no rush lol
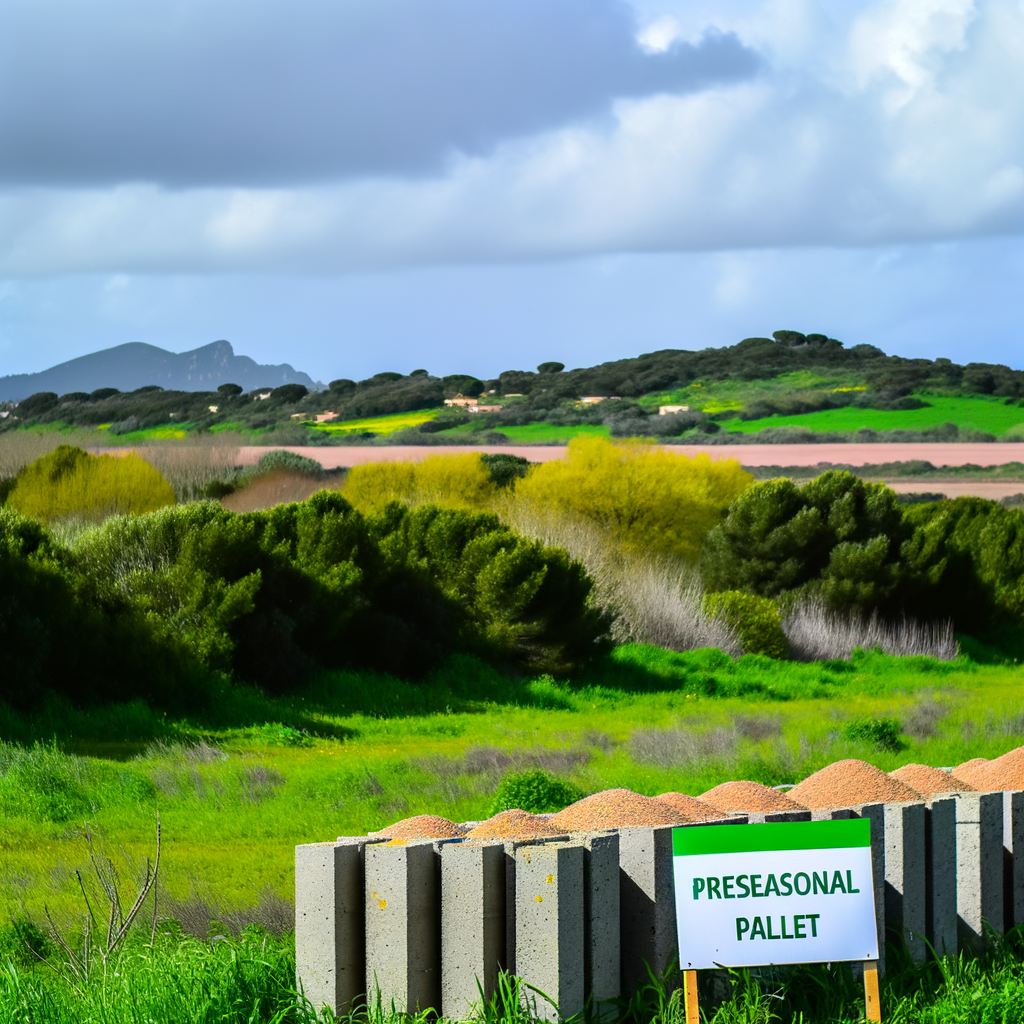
(594, 399)
(665, 410)
(461, 400)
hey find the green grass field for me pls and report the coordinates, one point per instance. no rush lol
(238, 784)
(533, 433)
(988, 415)
(377, 749)
(379, 424)
(721, 396)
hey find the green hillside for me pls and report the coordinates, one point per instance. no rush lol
(805, 386)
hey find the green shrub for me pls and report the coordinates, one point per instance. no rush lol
(279, 458)
(844, 538)
(488, 588)
(505, 469)
(756, 621)
(155, 605)
(71, 482)
(884, 733)
(536, 791)
(23, 942)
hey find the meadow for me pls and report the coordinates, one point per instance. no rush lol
(152, 709)
(238, 786)
(989, 415)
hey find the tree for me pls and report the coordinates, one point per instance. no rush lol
(69, 481)
(551, 367)
(837, 532)
(650, 500)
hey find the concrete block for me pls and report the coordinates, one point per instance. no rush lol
(875, 813)
(403, 926)
(905, 874)
(602, 967)
(472, 925)
(940, 891)
(1013, 859)
(549, 929)
(760, 817)
(329, 922)
(509, 963)
(647, 904)
(979, 866)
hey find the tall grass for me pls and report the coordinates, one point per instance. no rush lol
(190, 467)
(816, 633)
(251, 980)
(653, 599)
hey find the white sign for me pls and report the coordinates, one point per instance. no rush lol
(793, 893)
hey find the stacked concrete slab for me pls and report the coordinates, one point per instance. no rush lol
(582, 918)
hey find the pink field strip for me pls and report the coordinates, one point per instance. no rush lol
(747, 454)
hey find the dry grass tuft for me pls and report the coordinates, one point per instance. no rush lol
(816, 633)
(652, 599)
(191, 466)
(671, 748)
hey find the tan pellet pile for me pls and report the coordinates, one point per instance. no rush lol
(513, 824)
(1006, 772)
(615, 808)
(744, 797)
(930, 781)
(974, 772)
(849, 783)
(422, 826)
(691, 808)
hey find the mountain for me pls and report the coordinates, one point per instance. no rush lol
(131, 366)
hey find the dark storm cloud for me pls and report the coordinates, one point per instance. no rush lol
(213, 92)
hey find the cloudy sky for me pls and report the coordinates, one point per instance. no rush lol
(477, 185)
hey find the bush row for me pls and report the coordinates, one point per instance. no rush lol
(158, 605)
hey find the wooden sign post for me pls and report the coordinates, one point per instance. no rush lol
(815, 881)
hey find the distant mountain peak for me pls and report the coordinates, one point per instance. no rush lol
(136, 364)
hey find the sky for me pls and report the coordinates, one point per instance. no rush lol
(362, 185)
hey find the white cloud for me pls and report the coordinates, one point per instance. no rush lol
(900, 121)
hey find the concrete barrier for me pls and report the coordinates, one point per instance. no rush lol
(905, 876)
(941, 888)
(583, 918)
(1013, 859)
(646, 903)
(403, 926)
(602, 949)
(472, 925)
(549, 929)
(979, 867)
(329, 923)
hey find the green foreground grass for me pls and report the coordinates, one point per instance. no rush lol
(239, 783)
(251, 979)
(354, 752)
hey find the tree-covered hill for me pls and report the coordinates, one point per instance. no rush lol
(786, 375)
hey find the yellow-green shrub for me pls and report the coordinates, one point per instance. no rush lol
(651, 500)
(756, 621)
(460, 481)
(70, 482)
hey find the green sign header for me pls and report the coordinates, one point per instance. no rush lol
(792, 835)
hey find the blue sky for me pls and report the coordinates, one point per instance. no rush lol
(360, 186)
